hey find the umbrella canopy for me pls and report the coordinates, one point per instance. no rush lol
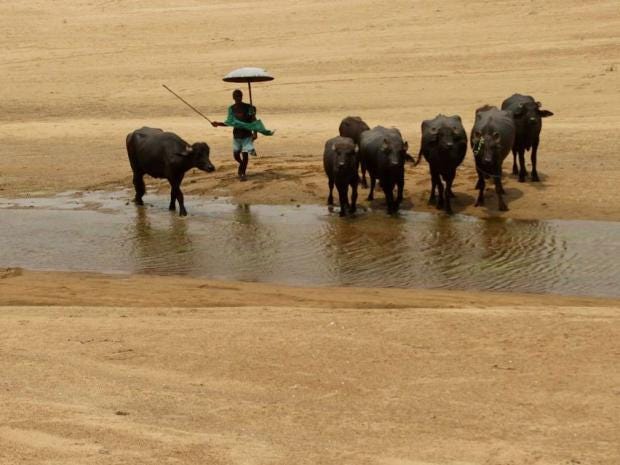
(248, 75)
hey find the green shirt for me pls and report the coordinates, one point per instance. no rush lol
(255, 126)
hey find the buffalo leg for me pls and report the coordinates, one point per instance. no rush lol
(522, 170)
(373, 180)
(400, 186)
(451, 176)
(515, 168)
(353, 196)
(480, 186)
(138, 184)
(182, 210)
(448, 193)
(440, 191)
(330, 197)
(432, 199)
(363, 170)
(342, 197)
(173, 197)
(499, 190)
(388, 190)
(534, 157)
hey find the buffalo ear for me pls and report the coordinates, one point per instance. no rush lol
(405, 146)
(545, 113)
(409, 158)
(188, 151)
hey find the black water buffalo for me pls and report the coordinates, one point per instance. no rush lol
(353, 126)
(340, 163)
(384, 152)
(444, 144)
(527, 116)
(491, 139)
(164, 155)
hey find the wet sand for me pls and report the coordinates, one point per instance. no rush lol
(104, 370)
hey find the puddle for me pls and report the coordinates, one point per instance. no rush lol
(307, 245)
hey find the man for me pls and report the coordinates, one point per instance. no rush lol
(242, 117)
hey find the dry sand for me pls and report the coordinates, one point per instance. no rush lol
(145, 370)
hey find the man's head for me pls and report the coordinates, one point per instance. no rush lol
(237, 96)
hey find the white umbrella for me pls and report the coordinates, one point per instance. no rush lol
(248, 75)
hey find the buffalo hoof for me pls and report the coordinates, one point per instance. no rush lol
(343, 213)
(182, 213)
(503, 207)
(138, 202)
(370, 197)
(330, 200)
(535, 177)
(479, 203)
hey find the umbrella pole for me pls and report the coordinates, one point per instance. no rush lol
(250, 91)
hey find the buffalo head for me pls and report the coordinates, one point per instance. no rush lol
(446, 134)
(395, 153)
(199, 154)
(344, 156)
(530, 113)
(488, 150)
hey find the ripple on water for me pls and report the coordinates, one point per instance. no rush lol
(101, 231)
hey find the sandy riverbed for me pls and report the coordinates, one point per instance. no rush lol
(146, 370)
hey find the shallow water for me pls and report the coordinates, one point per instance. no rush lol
(308, 245)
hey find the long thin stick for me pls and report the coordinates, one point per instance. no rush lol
(181, 99)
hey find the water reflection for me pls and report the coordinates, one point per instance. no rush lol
(254, 248)
(365, 251)
(310, 246)
(161, 246)
(439, 240)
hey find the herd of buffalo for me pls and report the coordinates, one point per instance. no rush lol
(380, 151)
(383, 152)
